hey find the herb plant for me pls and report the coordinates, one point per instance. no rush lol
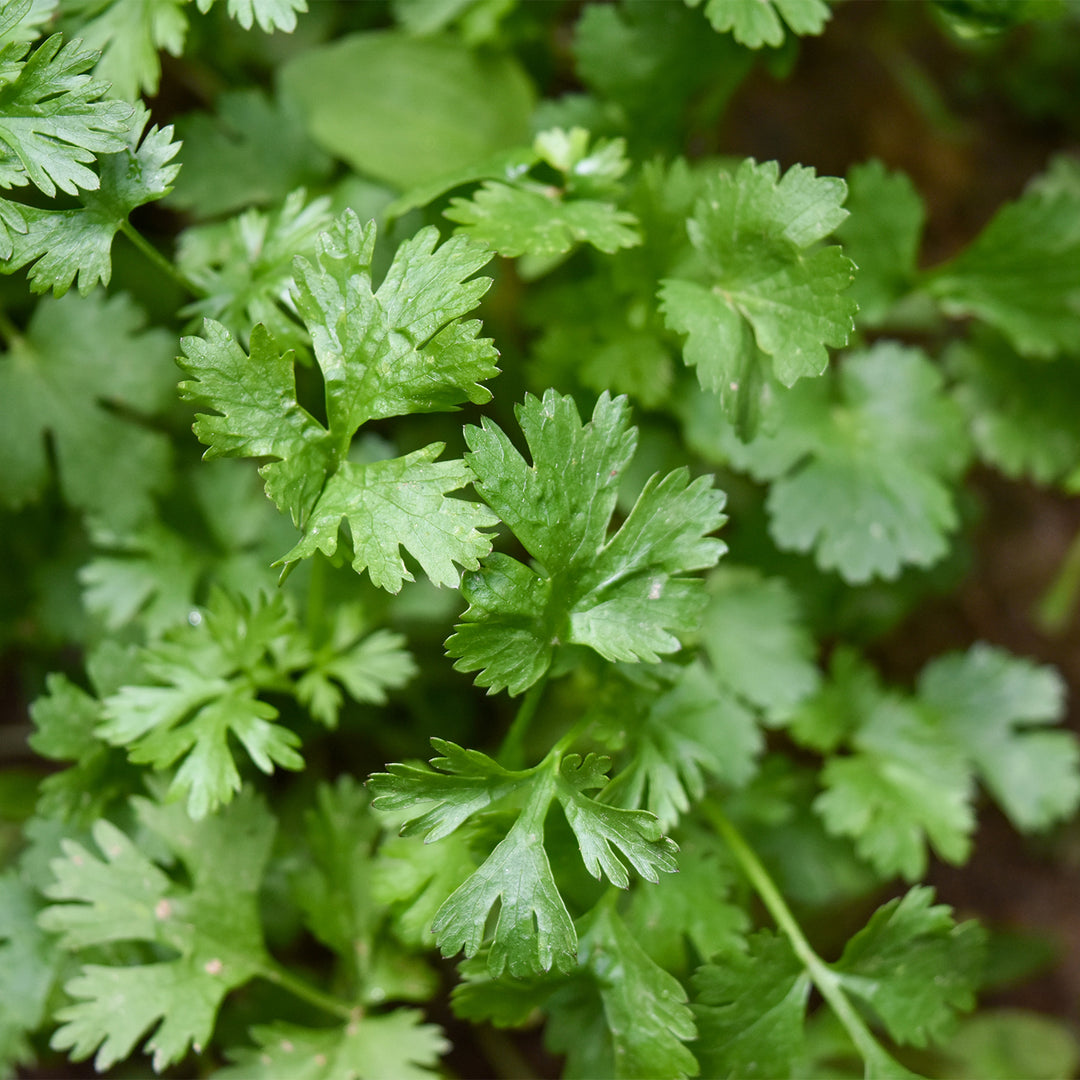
(372, 741)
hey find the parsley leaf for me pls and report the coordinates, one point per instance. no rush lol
(773, 297)
(625, 595)
(754, 25)
(750, 1006)
(53, 120)
(904, 781)
(882, 237)
(396, 1044)
(1021, 274)
(645, 1020)
(996, 707)
(399, 349)
(88, 375)
(914, 966)
(524, 215)
(534, 930)
(860, 471)
(124, 896)
(60, 244)
(271, 15)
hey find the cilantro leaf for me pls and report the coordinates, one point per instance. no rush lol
(861, 473)
(243, 266)
(882, 237)
(60, 244)
(914, 966)
(53, 120)
(903, 784)
(399, 349)
(755, 642)
(83, 364)
(523, 215)
(773, 298)
(996, 707)
(251, 151)
(750, 1007)
(1021, 274)
(1021, 412)
(677, 732)
(271, 15)
(396, 1044)
(533, 930)
(645, 1020)
(124, 896)
(754, 25)
(623, 595)
(128, 37)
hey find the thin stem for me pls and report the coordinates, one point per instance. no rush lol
(512, 752)
(316, 596)
(159, 260)
(1057, 605)
(824, 978)
(306, 992)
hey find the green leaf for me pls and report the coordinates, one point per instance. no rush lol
(431, 105)
(750, 1008)
(129, 36)
(244, 266)
(622, 595)
(1012, 1042)
(514, 221)
(756, 643)
(399, 349)
(126, 897)
(251, 151)
(754, 25)
(772, 299)
(60, 244)
(206, 678)
(1021, 274)
(861, 472)
(53, 120)
(396, 1044)
(881, 237)
(915, 967)
(533, 930)
(87, 376)
(646, 1020)
(271, 15)
(1021, 412)
(904, 784)
(29, 970)
(996, 707)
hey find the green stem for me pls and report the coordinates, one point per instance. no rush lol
(824, 978)
(159, 260)
(316, 597)
(1057, 604)
(512, 752)
(284, 978)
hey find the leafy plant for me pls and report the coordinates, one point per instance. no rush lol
(720, 423)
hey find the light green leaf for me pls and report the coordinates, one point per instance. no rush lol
(1021, 274)
(762, 23)
(81, 366)
(995, 708)
(271, 15)
(124, 896)
(431, 105)
(396, 1044)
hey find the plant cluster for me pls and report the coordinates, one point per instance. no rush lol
(719, 417)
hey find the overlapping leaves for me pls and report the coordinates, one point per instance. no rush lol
(534, 931)
(383, 352)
